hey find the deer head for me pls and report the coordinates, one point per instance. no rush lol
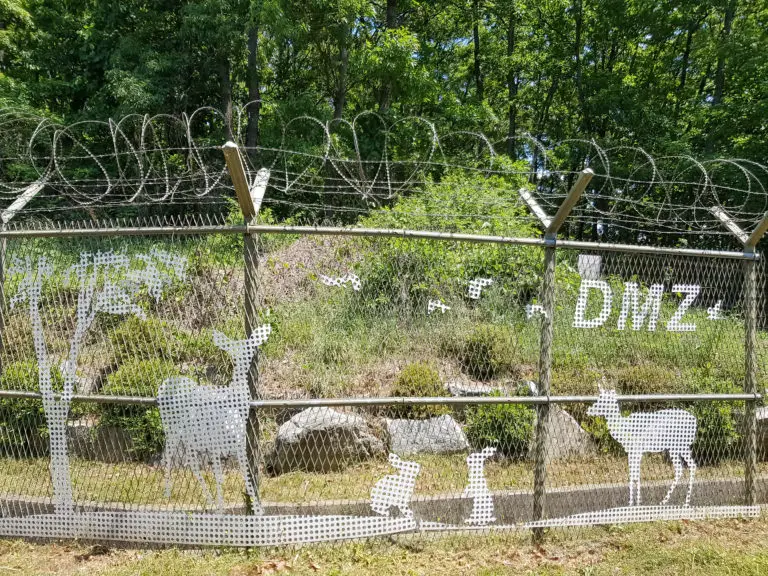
(607, 403)
(242, 351)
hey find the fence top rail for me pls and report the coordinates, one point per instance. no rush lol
(184, 230)
(413, 401)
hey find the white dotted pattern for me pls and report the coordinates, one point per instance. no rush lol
(477, 488)
(106, 283)
(395, 490)
(691, 291)
(714, 313)
(433, 305)
(476, 287)
(650, 308)
(581, 304)
(532, 310)
(351, 279)
(672, 431)
(208, 421)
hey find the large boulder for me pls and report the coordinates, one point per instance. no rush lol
(441, 435)
(566, 439)
(322, 440)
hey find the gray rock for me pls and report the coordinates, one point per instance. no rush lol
(761, 414)
(459, 388)
(87, 440)
(441, 435)
(566, 439)
(322, 440)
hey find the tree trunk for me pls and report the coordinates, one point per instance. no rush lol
(385, 96)
(226, 95)
(512, 86)
(56, 412)
(340, 95)
(480, 89)
(254, 90)
(579, 16)
(684, 70)
(730, 12)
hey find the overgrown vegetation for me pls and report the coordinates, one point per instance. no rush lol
(421, 381)
(142, 423)
(508, 427)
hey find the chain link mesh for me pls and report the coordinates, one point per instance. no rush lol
(355, 321)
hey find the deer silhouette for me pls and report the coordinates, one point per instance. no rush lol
(672, 431)
(210, 421)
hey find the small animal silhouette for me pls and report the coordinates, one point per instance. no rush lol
(210, 421)
(477, 488)
(672, 430)
(396, 489)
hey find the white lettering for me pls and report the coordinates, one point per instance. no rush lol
(650, 308)
(691, 291)
(581, 304)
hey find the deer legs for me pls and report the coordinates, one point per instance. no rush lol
(218, 475)
(634, 477)
(193, 462)
(691, 472)
(242, 461)
(677, 462)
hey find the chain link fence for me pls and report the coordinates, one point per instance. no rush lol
(407, 385)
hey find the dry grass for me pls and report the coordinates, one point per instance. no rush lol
(698, 549)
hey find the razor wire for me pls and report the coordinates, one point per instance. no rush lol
(336, 170)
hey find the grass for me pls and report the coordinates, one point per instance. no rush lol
(142, 484)
(698, 549)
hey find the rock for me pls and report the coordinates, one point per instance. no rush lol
(461, 389)
(87, 440)
(567, 439)
(761, 415)
(322, 440)
(441, 435)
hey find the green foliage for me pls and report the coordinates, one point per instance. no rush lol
(405, 273)
(23, 429)
(143, 424)
(508, 427)
(718, 434)
(146, 339)
(422, 381)
(487, 352)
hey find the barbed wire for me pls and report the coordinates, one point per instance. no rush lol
(348, 167)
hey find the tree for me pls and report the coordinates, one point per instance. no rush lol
(107, 283)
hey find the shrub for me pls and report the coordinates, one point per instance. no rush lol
(404, 273)
(508, 427)
(136, 339)
(23, 428)
(487, 352)
(718, 430)
(421, 381)
(137, 378)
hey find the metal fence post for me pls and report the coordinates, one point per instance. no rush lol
(249, 198)
(750, 361)
(545, 374)
(545, 350)
(750, 379)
